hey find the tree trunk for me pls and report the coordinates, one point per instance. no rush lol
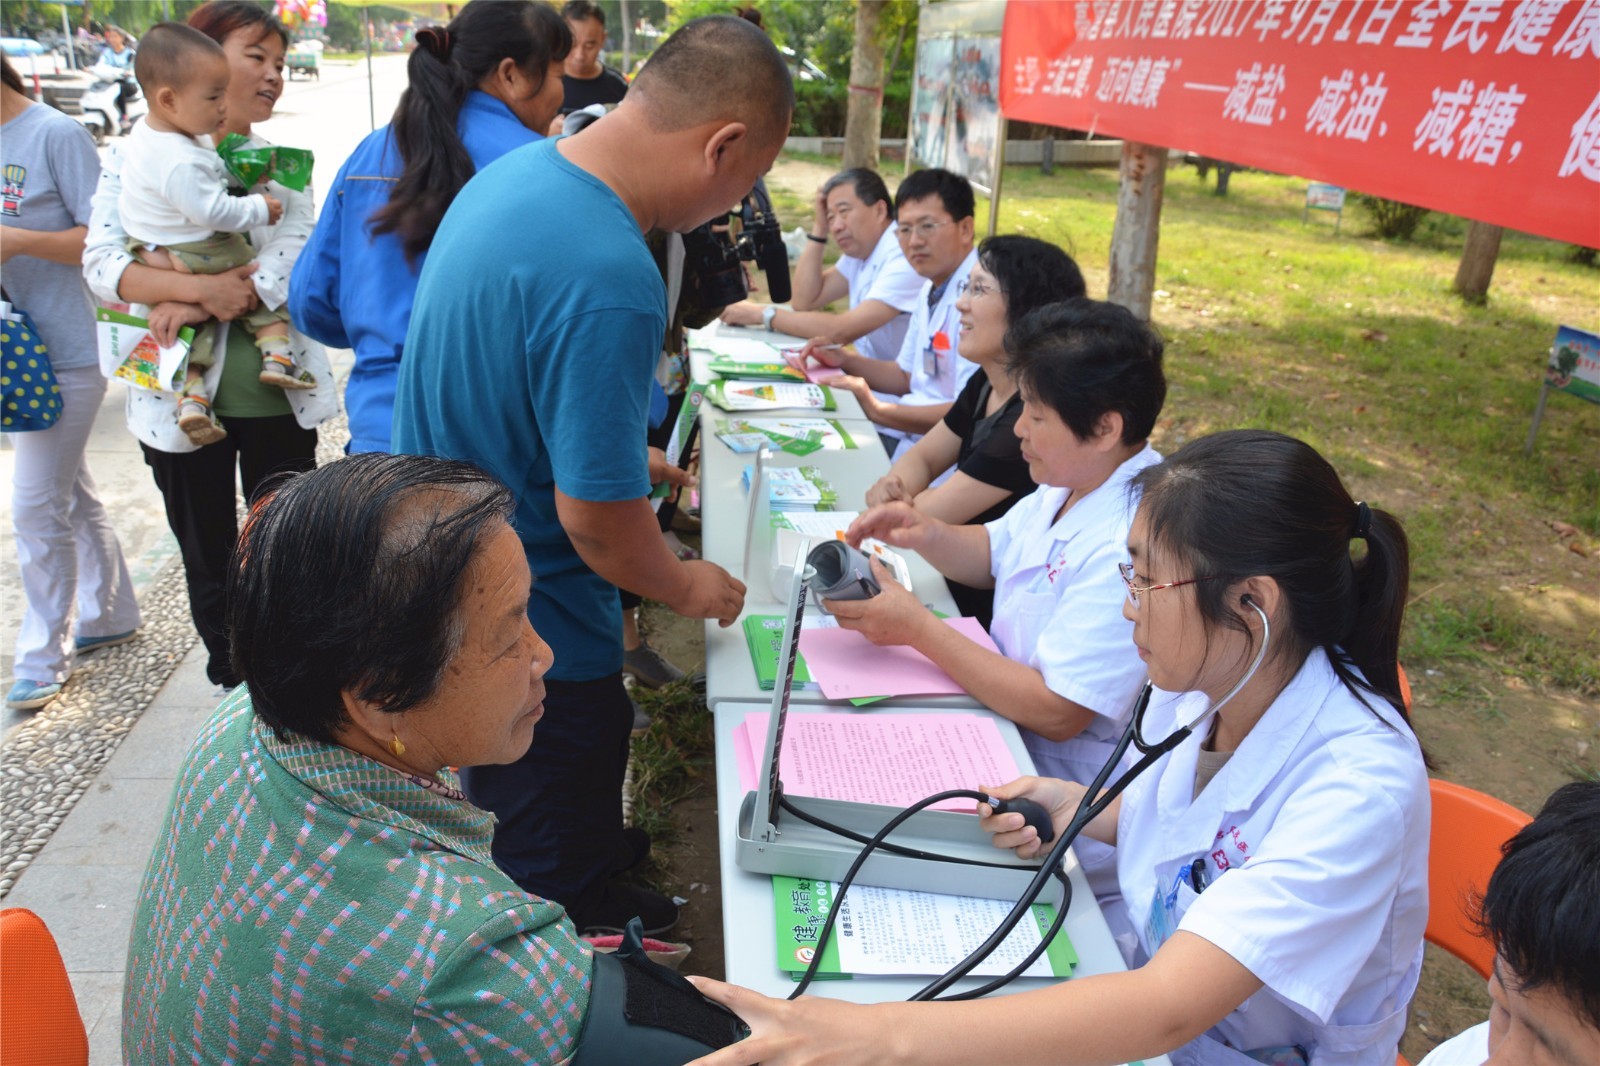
(1477, 261)
(1137, 230)
(1224, 172)
(627, 40)
(864, 112)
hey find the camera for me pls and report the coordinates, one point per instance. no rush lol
(717, 258)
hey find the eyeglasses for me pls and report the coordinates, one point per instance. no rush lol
(923, 229)
(978, 290)
(1126, 569)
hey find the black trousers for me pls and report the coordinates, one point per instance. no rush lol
(198, 490)
(658, 438)
(560, 806)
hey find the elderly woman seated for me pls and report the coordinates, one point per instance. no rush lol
(322, 889)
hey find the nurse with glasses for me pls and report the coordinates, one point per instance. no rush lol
(1273, 863)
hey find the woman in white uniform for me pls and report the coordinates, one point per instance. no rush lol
(1091, 383)
(1276, 860)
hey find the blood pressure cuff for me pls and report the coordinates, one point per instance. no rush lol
(643, 1014)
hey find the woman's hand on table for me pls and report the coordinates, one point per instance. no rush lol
(1059, 797)
(824, 351)
(891, 617)
(799, 1032)
(227, 295)
(167, 318)
(887, 489)
(856, 387)
(897, 524)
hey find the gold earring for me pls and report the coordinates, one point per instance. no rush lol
(395, 746)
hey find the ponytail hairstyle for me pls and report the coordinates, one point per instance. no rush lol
(1250, 502)
(447, 64)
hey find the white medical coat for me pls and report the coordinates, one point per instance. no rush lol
(885, 275)
(939, 378)
(1058, 609)
(1314, 838)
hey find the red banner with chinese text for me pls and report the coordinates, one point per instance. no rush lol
(1489, 109)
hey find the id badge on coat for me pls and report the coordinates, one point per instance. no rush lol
(1167, 906)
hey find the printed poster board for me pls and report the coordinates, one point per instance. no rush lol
(955, 112)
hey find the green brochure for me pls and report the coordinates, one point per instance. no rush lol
(888, 931)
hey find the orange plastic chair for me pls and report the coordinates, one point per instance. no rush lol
(1468, 829)
(39, 1020)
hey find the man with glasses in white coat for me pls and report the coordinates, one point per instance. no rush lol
(934, 213)
(854, 208)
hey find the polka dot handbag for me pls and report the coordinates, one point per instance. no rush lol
(30, 398)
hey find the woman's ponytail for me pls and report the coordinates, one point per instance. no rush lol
(447, 64)
(1382, 577)
(1252, 502)
(424, 132)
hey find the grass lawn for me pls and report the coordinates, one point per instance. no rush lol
(1358, 346)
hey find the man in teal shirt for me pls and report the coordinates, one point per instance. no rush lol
(537, 325)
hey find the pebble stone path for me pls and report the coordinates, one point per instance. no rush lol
(49, 762)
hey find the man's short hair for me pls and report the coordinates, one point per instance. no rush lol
(868, 185)
(167, 54)
(1542, 906)
(578, 10)
(349, 578)
(717, 68)
(954, 191)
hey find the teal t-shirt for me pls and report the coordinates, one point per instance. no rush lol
(533, 342)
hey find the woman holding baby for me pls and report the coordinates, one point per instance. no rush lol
(268, 429)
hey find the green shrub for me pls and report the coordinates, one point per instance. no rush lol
(820, 108)
(1392, 219)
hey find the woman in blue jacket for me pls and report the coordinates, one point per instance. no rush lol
(479, 87)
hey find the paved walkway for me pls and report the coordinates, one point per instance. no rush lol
(84, 783)
(86, 780)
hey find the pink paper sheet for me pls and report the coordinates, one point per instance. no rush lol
(819, 374)
(892, 759)
(848, 666)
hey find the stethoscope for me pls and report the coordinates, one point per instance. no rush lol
(1096, 798)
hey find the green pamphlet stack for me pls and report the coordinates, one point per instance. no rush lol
(801, 905)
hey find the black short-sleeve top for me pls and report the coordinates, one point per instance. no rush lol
(990, 451)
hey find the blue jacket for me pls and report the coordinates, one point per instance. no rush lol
(353, 290)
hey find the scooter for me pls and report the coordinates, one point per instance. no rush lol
(100, 115)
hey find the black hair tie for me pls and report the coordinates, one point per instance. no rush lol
(436, 40)
(1363, 521)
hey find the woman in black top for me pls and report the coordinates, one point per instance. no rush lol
(969, 468)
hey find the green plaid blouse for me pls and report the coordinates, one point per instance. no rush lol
(307, 904)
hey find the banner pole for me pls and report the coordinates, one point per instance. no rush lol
(999, 177)
(372, 106)
(1538, 416)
